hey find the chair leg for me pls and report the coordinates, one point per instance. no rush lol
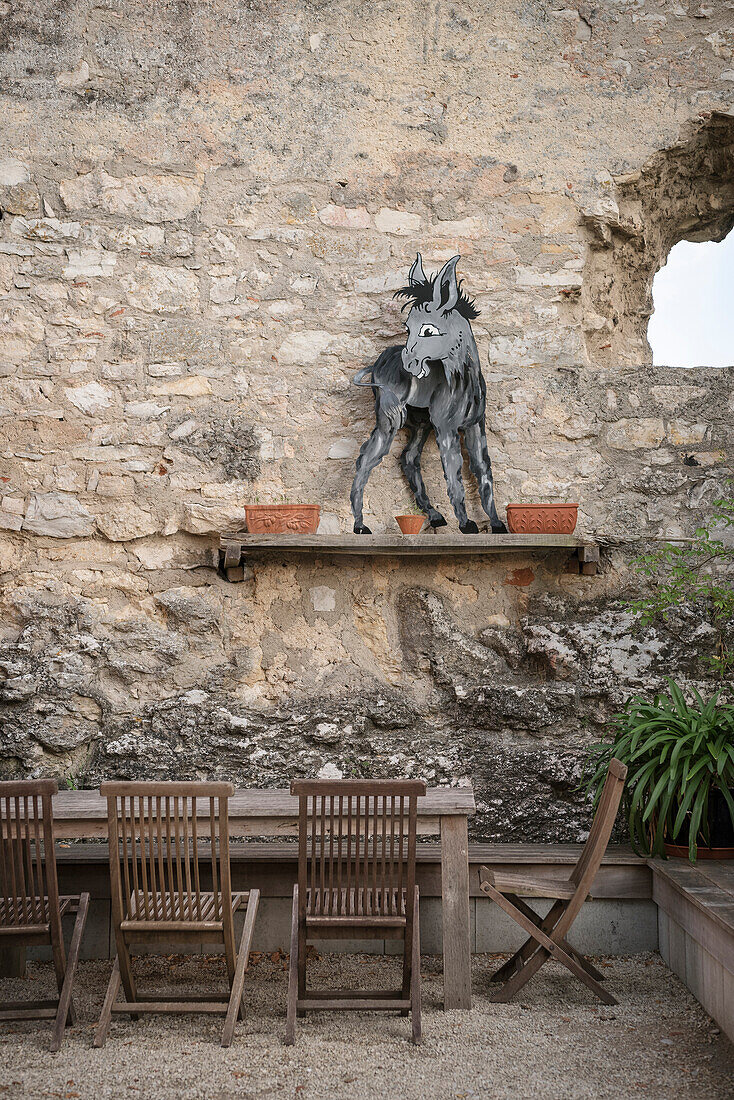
(302, 953)
(236, 1003)
(230, 955)
(547, 924)
(415, 980)
(126, 972)
(293, 975)
(547, 946)
(65, 1002)
(523, 953)
(113, 988)
(407, 968)
(59, 959)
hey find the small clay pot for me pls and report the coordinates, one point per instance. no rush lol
(282, 519)
(410, 525)
(542, 519)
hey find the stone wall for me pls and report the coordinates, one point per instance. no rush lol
(205, 209)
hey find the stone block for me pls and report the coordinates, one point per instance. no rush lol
(629, 435)
(155, 289)
(342, 217)
(59, 515)
(151, 198)
(400, 223)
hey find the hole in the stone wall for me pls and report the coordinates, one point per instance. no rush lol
(685, 193)
(693, 322)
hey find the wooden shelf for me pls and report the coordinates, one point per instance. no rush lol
(236, 546)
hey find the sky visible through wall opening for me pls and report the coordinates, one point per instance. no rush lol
(693, 322)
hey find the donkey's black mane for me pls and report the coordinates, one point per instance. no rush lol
(420, 294)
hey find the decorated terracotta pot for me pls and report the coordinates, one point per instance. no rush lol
(542, 519)
(410, 525)
(282, 519)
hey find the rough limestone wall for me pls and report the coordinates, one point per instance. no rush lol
(205, 210)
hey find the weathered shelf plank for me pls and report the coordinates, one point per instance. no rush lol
(403, 545)
(236, 546)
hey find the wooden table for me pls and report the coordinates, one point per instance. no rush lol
(443, 811)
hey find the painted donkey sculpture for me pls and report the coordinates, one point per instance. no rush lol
(435, 381)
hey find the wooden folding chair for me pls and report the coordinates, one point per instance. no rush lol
(157, 835)
(30, 906)
(547, 935)
(356, 880)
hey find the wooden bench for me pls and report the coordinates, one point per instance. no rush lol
(696, 930)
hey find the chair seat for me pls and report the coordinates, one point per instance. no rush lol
(23, 913)
(148, 910)
(384, 907)
(517, 882)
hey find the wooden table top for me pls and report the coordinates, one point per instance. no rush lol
(253, 812)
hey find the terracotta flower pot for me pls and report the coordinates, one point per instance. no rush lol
(680, 851)
(282, 519)
(542, 519)
(410, 525)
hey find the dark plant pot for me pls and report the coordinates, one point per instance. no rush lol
(542, 519)
(721, 833)
(410, 525)
(282, 519)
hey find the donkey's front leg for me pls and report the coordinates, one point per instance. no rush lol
(476, 445)
(449, 447)
(371, 454)
(410, 462)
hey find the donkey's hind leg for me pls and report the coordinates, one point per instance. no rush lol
(371, 454)
(410, 462)
(476, 445)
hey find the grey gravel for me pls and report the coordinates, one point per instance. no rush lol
(555, 1042)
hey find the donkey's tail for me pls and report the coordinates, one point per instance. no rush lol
(357, 380)
(389, 405)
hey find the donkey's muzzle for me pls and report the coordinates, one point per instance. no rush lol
(419, 368)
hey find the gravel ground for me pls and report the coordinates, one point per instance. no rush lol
(555, 1042)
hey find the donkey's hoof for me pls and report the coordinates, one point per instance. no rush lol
(501, 530)
(361, 529)
(435, 519)
(469, 528)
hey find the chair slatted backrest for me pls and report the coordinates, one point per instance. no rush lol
(159, 832)
(27, 857)
(584, 872)
(357, 847)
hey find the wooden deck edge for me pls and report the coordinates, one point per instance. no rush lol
(700, 892)
(696, 948)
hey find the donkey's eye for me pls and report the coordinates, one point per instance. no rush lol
(429, 330)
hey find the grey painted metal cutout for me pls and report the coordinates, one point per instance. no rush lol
(434, 382)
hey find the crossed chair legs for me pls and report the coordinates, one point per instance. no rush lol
(546, 940)
(136, 1003)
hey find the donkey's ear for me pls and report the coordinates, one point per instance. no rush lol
(416, 273)
(445, 288)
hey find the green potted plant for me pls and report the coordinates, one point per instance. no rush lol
(680, 760)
